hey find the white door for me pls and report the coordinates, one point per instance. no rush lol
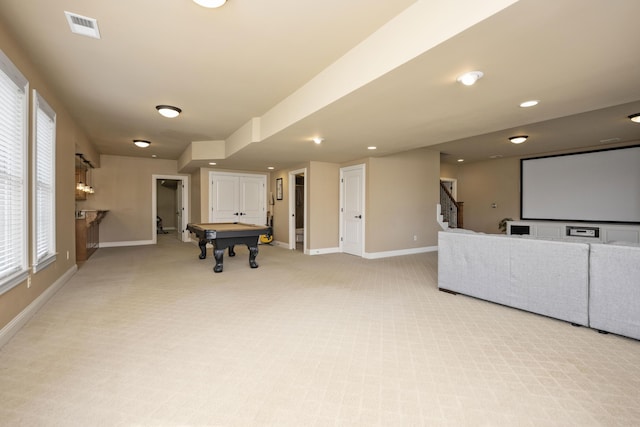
(252, 200)
(238, 198)
(225, 194)
(352, 210)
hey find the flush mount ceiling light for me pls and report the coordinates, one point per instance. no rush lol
(371, 147)
(470, 78)
(635, 118)
(527, 104)
(318, 140)
(141, 143)
(518, 139)
(211, 4)
(212, 163)
(168, 111)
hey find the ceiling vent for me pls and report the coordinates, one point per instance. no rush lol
(83, 25)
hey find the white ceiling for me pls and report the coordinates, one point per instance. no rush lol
(225, 66)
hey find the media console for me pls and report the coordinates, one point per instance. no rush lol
(576, 231)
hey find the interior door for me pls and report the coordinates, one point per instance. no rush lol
(224, 198)
(252, 200)
(352, 210)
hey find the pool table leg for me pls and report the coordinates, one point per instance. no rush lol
(253, 253)
(202, 243)
(231, 251)
(219, 255)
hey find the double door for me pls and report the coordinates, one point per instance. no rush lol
(238, 198)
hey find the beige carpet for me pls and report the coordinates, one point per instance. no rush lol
(150, 336)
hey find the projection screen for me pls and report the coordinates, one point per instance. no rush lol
(597, 186)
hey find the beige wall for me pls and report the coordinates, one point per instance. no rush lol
(401, 198)
(323, 207)
(483, 183)
(124, 188)
(166, 205)
(68, 136)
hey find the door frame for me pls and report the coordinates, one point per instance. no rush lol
(454, 186)
(363, 170)
(292, 210)
(184, 180)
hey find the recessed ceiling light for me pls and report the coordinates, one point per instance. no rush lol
(531, 103)
(211, 4)
(154, 155)
(271, 168)
(168, 110)
(518, 139)
(318, 140)
(470, 78)
(372, 148)
(141, 143)
(495, 156)
(635, 118)
(460, 160)
(212, 163)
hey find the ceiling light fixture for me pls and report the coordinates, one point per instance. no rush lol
(527, 104)
(470, 78)
(211, 4)
(212, 163)
(372, 148)
(141, 143)
(460, 160)
(168, 111)
(635, 118)
(318, 140)
(518, 139)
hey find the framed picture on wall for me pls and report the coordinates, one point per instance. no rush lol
(279, 189)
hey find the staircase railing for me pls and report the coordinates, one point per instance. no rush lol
(452, 211)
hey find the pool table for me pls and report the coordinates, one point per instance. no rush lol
(223, 235)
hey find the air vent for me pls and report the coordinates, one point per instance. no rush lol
(83, 25)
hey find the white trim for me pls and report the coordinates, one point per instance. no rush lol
(454, 186)
(11, 328)
(184, 179)
(131, 243)
(280, 244)
(388, 254)
(292, 209)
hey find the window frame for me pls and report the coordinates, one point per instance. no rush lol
(18, 270)
(40, 231)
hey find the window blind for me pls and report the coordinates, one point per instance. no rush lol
(44, 242)
(13, 174)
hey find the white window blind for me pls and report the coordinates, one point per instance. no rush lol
(44, 150)
(13, 175)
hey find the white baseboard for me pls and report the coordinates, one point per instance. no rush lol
(413, 251)
(119, 244)
(322, 251)
(280, 244)
(25, 315)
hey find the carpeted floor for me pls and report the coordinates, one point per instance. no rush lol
(150, 336)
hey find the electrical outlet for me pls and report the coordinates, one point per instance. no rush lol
(67, 255)
(415, 238)
(28, 282)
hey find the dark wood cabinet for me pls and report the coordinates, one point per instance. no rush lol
(88, 233)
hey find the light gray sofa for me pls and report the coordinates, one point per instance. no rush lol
(541, 276)
(614, 297)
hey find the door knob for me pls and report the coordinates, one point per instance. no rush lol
(358, 216)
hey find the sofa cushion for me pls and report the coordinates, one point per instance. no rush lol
(614, 298)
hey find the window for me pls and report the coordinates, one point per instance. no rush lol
(14, 90)
(44, 190)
